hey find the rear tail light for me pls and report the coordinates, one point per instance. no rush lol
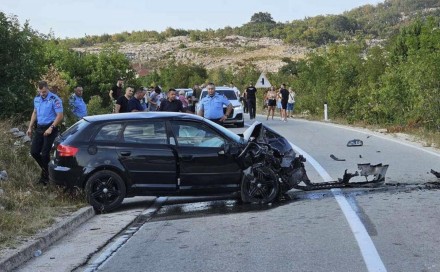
(66, 151)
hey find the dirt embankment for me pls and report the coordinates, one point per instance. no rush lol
(230, 52)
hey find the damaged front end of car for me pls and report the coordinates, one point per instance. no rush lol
(271, 168)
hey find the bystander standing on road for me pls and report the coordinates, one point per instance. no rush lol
(134, 104)
(144, 100)
(77, 104)
(171, 103)
(47, 115)
(291, 103)
(117, 90)
(251, 95)
(243, 100)
(122, 102)
(271, 97)
(211, 106)
(195, 98)
(154, 100)
(184, 100)
(284, 98)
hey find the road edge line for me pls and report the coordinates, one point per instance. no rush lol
(368, 250)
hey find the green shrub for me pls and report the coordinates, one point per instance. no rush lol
(95, 106)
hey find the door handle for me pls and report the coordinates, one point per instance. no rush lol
(125, 153)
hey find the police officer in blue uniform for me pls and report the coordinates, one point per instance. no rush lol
(211, 106)
(77, 104)
(47, 114)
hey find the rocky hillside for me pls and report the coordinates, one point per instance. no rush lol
(231, 51)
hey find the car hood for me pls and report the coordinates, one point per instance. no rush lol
(249, 132)
(235, 103)
(263, 134)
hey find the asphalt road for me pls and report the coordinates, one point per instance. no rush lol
(393, 228)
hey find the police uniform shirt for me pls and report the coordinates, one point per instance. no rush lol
(47, 108)
(78, 106)
(212, 106)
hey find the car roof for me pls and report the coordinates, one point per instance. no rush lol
(141, 115)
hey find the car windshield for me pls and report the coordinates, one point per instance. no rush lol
(228, 93)
(227, 132)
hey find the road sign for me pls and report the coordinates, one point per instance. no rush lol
(263, 82)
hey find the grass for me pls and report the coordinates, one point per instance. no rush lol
(27, 207)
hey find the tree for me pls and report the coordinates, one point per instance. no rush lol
(21, 58)
(182, 75)
(262, 17)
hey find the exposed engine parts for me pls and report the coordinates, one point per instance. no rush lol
(271, 168)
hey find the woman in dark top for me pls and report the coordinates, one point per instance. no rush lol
(284, 98)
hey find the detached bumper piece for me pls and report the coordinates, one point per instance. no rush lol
(355, 142)
(434, 184)
(366, 170)
(435, 173)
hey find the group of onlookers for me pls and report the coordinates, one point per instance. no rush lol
(151, 99)
(283, 99)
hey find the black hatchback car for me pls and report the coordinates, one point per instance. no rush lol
(117, 155)
(114, 156)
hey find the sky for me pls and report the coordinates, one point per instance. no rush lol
(78, 18)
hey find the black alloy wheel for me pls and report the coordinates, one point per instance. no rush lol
(105, 191)
(259, 185)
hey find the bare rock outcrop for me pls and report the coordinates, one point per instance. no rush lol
(229, 52)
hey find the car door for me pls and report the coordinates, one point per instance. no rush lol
(203, 166)
(147, 157)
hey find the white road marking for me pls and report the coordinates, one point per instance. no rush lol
(368, 250)
(376, 134)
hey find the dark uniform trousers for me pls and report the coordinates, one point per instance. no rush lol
(41, 147)
(252, 107)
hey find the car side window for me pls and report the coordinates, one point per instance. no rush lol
(109, 133)
(145, 133)
(196, 135)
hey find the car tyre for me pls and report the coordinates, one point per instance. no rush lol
(105, 191)
(240, 125)
(259, 185)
